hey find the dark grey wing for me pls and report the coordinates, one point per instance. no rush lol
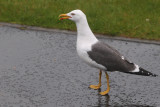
(109, 57)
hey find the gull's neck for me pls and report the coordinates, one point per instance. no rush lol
(83, 27)
(84, 33)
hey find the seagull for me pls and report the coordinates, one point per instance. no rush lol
(98, 54)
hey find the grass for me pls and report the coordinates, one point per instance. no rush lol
(127, 18)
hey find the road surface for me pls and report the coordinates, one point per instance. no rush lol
(42, 69)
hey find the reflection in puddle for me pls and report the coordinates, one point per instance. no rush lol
(100, 100)
(103, 101)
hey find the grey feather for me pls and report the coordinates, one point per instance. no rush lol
(109, 57)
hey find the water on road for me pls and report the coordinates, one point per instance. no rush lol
(42, 69)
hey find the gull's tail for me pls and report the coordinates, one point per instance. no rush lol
(144, 72)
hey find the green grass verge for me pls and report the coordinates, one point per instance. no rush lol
(127, 18)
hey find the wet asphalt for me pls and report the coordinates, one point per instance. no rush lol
(42, 69)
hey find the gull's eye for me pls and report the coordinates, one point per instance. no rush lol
(72, 14)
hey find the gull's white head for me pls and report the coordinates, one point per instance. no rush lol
(84, 32)
(75, 15)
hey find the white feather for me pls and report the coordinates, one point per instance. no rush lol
(136, 69)
(85, 40)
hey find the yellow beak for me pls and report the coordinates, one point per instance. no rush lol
(64, 16)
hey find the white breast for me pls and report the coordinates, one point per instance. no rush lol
(85, 40)
(82, 49)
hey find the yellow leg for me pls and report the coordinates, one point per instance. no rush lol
(99, 84)
(108, 88)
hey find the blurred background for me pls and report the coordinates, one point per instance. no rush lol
(127, 18)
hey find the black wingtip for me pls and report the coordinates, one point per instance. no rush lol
(145, 73)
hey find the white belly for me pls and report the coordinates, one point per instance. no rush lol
(84, 56)
(84, 44)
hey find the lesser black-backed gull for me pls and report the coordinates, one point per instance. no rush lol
(98, 54)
